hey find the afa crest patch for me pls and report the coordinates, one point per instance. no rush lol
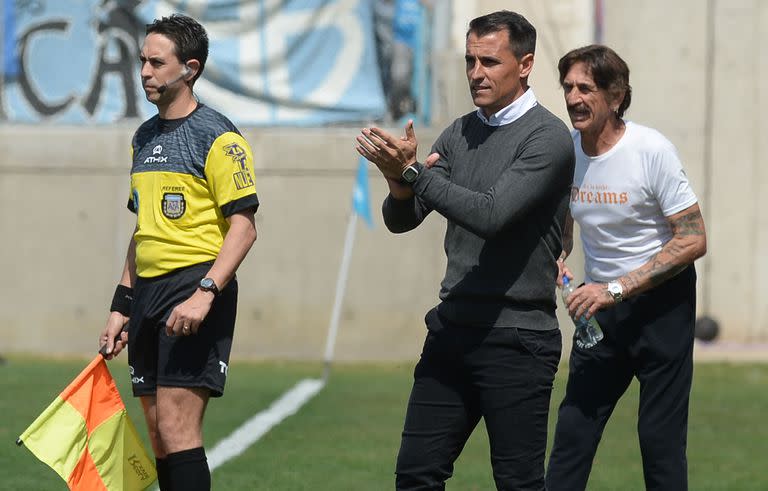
(174, 205)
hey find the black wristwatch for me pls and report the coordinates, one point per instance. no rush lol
(208, 285)
(411, 172)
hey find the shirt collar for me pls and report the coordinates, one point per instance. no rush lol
(519, 106)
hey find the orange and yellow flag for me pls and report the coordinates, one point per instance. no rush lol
(86, 436)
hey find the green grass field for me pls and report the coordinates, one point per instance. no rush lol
(347, 436)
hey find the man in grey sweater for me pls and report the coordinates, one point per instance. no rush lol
(501, 177)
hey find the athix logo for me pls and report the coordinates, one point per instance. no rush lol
(224, 368)
(135, 380)
(160, 159)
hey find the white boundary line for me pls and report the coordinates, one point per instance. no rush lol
(260, 423)
(290, 402)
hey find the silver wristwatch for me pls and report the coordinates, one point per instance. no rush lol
(616, 291)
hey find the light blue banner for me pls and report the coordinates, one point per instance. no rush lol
(271, 62)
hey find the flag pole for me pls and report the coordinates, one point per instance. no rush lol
(341, 284)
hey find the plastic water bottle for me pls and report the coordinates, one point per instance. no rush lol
(588, 332)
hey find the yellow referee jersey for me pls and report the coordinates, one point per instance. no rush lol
(188, 175)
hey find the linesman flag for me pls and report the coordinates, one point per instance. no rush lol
(86, 436)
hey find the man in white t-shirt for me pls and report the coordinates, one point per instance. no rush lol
(641, 230)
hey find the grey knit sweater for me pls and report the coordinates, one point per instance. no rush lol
(504, 191)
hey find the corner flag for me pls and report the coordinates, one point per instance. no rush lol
(86, 436)
(361, 206)
(360, 197)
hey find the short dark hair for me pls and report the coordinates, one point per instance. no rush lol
(606, 67)
(188, 36)
(522, 35)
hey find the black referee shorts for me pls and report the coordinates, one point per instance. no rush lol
(199, 360)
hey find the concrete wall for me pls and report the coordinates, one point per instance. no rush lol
(64, 226)
(697, 69)
(65, 229)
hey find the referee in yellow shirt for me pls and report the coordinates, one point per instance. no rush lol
(194, 196)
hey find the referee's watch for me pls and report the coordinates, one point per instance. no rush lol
(208, 285)
(616, 291)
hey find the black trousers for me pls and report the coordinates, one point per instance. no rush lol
(503, 375)
(649, 337)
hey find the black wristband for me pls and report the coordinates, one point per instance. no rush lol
(122, 300)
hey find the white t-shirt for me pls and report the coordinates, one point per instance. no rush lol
(621, 199)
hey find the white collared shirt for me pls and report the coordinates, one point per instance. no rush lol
(519, 106)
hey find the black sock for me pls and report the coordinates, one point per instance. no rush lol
(188, 470)
(162, 474)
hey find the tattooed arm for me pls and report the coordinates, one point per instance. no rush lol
(688, 243)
